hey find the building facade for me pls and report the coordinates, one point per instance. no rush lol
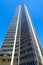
(21, 46)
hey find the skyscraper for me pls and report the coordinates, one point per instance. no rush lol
(21, 46)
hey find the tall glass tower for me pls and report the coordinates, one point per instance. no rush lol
(21, 46)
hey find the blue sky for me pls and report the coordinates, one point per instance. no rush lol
(7, 10)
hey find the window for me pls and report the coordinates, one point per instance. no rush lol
(9, 60)
(9, 54)
(22, 52)
(1, 54)
(29, 63)
(3, 60)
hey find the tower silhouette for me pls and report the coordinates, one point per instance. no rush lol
(21, 46)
